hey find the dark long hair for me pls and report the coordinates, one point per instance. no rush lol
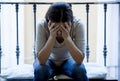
(59, 12)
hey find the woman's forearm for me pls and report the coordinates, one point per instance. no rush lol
(44, 53)
(77, 55)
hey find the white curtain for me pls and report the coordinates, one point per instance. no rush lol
(112, 37)
(8, 32)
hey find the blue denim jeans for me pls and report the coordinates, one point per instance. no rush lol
(69, 68)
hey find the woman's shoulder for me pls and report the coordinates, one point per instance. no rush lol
(77, 22)
(42, 22)
(42, 26)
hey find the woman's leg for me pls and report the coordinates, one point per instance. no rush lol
(43, 72)
(76, 71)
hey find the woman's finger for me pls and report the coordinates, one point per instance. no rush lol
(68, 26)
(49, 23)
(63, 28)
(51, 26)
(56, 28)
(69, 23)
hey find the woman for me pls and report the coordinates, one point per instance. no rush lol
(60, 45)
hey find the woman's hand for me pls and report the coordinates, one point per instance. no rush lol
(66, 29)
(53, 28)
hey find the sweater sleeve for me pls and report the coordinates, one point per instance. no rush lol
(79, 35)
(40, 37)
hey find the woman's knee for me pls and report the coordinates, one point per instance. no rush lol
(41, 72)
(79, 72)
(80, 68)
(41, 69)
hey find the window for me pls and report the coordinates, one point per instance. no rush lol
(112, 40)
(8, 34)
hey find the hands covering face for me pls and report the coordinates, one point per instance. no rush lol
(65, 28)
(59, 29)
